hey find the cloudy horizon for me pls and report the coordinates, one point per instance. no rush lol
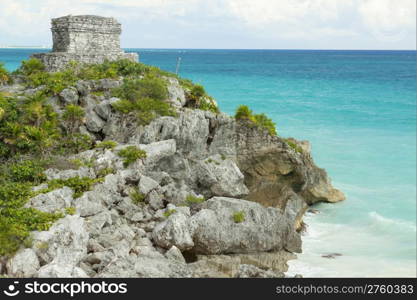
(226, 24)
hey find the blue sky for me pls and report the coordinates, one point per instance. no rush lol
(236, 24)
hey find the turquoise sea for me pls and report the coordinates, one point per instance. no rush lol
(358, 109)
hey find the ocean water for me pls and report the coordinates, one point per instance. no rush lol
(358, 109)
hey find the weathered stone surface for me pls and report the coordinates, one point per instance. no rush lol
(61, 270)
(174, 231)
(69, 95)
(231, 265)
(64, 243)
(87, 39)
(175, 254)
(176, 95)
(89, 205)
(93, 122)
(54, 201)
(24, 264)
(66, 174)
(250, 271)
(213, 229)
(158, 150)
(221, 176)
(104, 108)
(146, 185)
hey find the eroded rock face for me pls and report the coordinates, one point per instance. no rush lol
(236, 168)
(53, 201)
(24, 264)
(213, 229)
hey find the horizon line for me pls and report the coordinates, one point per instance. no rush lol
(271, 49)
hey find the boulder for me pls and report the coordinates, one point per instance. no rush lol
(61, 270)
(25, 263)
(146, 185)
(213, 230)
(175, 254)
(221, 177)
(64, 243)
(66, 174)
(69, 95)
(54, 201)
(93, 122)
(104, 108)
(175, 231)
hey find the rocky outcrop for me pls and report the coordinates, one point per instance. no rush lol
(213, 230)
(256, 189)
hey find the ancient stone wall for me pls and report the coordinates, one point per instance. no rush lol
(86, 39)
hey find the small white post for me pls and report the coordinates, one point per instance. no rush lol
(178, 66)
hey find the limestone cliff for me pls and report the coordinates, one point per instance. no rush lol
(237, 168)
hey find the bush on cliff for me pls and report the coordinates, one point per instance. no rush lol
(259, 120)
(78, 184)
(16, 221)
(148, 87)
(143, 97)
(197, 96)
(73, 116)
(131, 154)
(4, 75)
(27, 125)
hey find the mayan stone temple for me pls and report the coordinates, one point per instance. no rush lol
(86, 39)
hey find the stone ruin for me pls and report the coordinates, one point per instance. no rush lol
(86, 39)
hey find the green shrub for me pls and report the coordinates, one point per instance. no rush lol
(259, 120)
(105, 171)
(239, 216)
(75, 143)
(27, 125)
(31, 66)
(197, 91)
(130, 154)
(73, 116)
(191, 199)
(124, 106)
(243, 112)
(148, 87)
(14, 194)
(169, 212)
(136, 196)
(293, 145)
(70, 210)
(106, 145)
(146, 109)
(78, 184)
(16, 222)
(126, 67)
(4, 75)
(78, 163)
(27, 171)
(263, 121)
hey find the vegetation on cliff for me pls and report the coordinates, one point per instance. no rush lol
(4, 75)
(34, 136)
(244, 113)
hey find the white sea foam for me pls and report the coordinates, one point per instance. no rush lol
(380, 247)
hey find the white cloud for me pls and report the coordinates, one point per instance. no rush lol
(387, 21)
